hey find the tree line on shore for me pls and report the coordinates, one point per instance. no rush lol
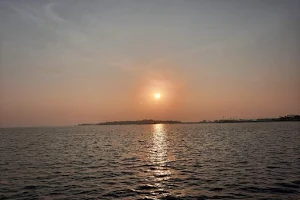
(151, 121)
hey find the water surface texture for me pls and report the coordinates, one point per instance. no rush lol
(199, 161)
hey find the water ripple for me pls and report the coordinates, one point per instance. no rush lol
(204, 161)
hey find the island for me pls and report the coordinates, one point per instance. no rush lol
(137, 122)
(286, 118)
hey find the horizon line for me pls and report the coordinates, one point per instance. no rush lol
(183, 122)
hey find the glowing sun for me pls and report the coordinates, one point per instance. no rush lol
(157, 95)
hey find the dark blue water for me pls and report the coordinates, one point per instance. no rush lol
(201, 161)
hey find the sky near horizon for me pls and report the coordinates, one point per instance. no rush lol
(68, 62)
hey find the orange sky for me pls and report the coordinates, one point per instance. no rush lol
(88, 62)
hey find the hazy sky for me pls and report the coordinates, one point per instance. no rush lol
(67, 62)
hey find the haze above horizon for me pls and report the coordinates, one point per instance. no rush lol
(69, 62)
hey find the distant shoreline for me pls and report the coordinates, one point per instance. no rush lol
(288, 118)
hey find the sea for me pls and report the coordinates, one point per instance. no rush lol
(159, 161)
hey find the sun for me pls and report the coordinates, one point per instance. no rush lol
(157, 95)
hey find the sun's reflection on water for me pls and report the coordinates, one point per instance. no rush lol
(159, 154)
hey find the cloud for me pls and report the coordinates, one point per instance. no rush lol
(46, 18)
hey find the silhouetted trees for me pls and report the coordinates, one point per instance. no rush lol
(151, 121)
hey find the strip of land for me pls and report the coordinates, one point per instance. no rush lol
(151, 121)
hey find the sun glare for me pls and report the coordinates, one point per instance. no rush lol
(157, 95)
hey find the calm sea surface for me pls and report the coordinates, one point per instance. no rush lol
(200, 161)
